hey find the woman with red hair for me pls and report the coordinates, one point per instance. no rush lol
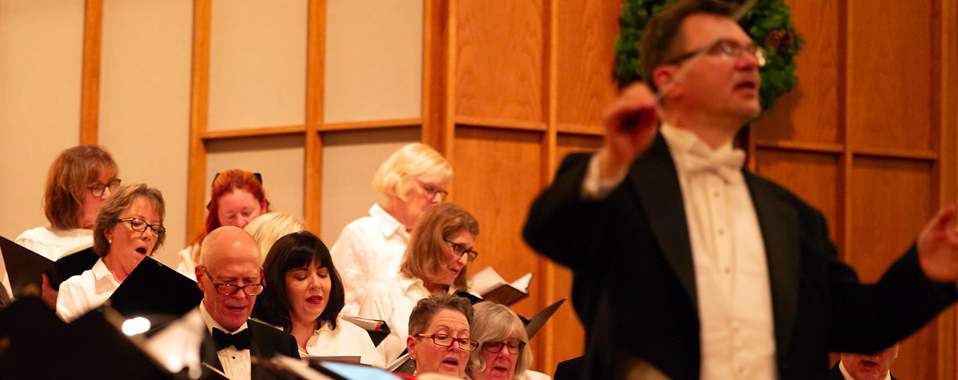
(237, 198)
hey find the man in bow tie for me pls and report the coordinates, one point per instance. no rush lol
(687, 266)
(231, 277)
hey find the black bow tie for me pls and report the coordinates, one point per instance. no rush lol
(224, 339)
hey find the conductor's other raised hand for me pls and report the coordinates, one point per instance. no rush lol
(630, 123)
(938, 247)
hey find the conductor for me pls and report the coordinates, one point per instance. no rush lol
(688, 266)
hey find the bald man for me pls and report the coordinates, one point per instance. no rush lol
(230, 277)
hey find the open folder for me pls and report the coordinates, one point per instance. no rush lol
(490, 286)
(25, 267)
(154, 289)
(377, 328)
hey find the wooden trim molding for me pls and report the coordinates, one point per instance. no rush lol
(90, 97)
(315, 72)
(199, 111)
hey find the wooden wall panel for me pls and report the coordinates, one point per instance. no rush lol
(814, 177)
(892, 201)
(496, 180)
(587, 30)
(499, 69)
(890, 70)
(813, 111)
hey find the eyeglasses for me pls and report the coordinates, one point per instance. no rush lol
(230, 289)
(724, 48)
(460, 249)
(98, 189)
(431, 190)
(514, 346)
(140, 225)
(445, 340)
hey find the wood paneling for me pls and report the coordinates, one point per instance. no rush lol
(90, 103)
(496, 180)
(499, 60)
(815, 177)
(814, 110)
(586, 58)
(893, 201)
(891, 53)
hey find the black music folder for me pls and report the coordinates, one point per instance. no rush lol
(154, 289)
(24, 267)
(41, 346)
(377, 328)
(537, 321)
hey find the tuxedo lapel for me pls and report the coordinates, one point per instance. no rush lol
(208, 352)
(657, 184)
(779, 224)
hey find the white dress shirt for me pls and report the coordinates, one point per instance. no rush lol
(392, 301)
(50, 243)
(731, 273)
(368, 250)
(346, 339)
(236, 363)
(86, 291)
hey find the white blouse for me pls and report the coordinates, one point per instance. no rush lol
(86, 291)
(346, 340)
(368, 250)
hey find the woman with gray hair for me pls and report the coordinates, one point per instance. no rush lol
(370, 248)
(503, 344)
(128, 228)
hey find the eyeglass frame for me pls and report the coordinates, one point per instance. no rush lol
(471, 345)
(472, 254)
(737, 50)
(156, 229)
(504, 344)
(431, 190)
(216, 285)
(99, 187)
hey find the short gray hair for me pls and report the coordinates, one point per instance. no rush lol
(410, 163)
(494, 323)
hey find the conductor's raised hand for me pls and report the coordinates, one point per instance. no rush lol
(630, 123)
(938, 247)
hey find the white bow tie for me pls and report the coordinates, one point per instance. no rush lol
(727, 164)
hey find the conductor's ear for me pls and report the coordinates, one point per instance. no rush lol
(663, 75)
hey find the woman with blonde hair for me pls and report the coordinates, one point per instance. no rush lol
(435, 262)
(371, 248)
(269, 227)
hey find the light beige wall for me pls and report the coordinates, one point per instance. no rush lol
(41, 44)
(257, 64)
(373, 60)
(145, 101)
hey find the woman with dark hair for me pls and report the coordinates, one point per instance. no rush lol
(128, 228)
(304, 295)
(435, 262)
(237, 198)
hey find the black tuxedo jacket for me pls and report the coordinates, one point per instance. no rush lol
(634, 283)
(265, 342)
(836, 373)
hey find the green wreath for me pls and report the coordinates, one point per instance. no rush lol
(767, 22)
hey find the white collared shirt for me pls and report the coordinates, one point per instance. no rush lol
(737, 329)
(368, 250)
(346, 339)
(236, 363)
(86, 291)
